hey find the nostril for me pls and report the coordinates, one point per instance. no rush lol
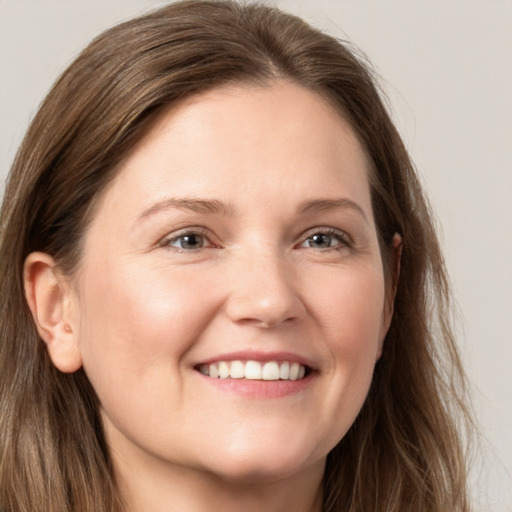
(265, 313)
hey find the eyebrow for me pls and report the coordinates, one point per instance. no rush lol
(207, 206)
(216, 207)
(318, 205)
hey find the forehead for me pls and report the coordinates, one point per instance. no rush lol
(239, 138)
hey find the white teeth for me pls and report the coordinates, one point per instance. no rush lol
(270, 371)
(223, 370)
(214, 371)
(237, 370)
(284, 370)
(294, 371)
(254, 370)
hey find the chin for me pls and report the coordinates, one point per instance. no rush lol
(258, 466)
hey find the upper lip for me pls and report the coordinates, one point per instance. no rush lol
(254, 355)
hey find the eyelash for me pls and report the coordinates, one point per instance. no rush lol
(341, 236)
(167, 242)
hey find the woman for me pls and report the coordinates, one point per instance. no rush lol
(222, 286)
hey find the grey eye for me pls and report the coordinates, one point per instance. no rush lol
(190, 241)
(321, 241)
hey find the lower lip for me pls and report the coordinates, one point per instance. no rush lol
(260, 388)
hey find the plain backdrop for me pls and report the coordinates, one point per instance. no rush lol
(447, 70)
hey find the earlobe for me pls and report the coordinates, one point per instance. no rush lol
(49, 300)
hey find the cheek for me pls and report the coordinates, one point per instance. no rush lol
(350, 307)
(358, 328)
(136, 321)
(351, 312)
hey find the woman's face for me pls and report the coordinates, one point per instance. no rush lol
(240, 229)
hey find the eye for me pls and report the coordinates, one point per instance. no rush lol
(188, 242)
(326, 239)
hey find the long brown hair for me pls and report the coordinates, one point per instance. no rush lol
(403, 452)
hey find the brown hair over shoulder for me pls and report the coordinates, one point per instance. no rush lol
(404, 452)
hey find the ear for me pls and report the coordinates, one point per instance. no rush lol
(50, 300)
(396, 258)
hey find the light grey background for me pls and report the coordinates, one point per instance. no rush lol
(447, 68)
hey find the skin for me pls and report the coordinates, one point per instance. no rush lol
(144, 310)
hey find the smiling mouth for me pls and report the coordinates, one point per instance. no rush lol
(254, 370)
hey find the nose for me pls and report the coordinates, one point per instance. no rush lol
(263, 292)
